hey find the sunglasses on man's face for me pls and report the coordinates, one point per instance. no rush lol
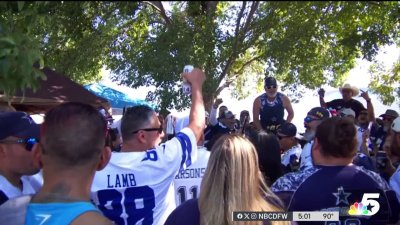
(269, 87)
(28, 142)
(159, 130)
(309, 119)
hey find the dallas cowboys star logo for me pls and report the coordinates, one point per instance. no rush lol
(341, 196)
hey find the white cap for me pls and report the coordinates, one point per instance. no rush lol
(348, 112)
(396, 125)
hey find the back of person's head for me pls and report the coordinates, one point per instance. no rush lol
(135, 118)
(233, 179)
(269, 157)
(73, 134)
(337, 137)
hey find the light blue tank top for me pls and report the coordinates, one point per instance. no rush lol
(56, 213)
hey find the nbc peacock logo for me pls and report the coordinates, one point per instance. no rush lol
(367, 207)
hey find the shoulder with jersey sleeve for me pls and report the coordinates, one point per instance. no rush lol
(376, 177)
(186, 144)
(291, 181)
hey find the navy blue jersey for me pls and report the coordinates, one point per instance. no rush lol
(271, 113)
(338, 188)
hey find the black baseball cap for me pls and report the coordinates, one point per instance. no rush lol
(270, 81)
(287, 130)
(18, 124)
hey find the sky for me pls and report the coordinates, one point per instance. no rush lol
(357, 77)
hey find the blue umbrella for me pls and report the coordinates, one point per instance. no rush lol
(116, 98)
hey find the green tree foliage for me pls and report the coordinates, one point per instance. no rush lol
(386, 82)
(302, 44)
(18, 50)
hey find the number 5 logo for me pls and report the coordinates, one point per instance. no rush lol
(371, 206)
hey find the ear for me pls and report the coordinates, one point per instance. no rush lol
(37, 155)
(104, 158)
(141, 137)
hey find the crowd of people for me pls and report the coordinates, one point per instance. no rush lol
(75, 169)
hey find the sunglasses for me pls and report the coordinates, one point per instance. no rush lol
(159, 130)
(28, 142)
(269, 87)
(309, 119)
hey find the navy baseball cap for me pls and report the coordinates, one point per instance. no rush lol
(18, 124)
(287, 130)
(270, 81)
(319, 112)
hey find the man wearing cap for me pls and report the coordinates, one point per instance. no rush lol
(269, 108)
(18, 137)
(379, 133)
(226, 125)
(347, 101)
(289, 146)
(313, 119)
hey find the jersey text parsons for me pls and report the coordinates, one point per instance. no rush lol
(191, 173)
(121, 180)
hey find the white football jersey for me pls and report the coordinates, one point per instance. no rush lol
(306, 157)
(9, 191)
(187, 182)
(137, 187)
(285, 157)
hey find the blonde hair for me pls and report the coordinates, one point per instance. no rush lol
(233, 182)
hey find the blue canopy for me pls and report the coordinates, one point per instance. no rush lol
(116, 98)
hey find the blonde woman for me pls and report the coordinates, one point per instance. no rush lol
(232, 182)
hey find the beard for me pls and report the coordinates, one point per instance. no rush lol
(272, 95)
(309, 135)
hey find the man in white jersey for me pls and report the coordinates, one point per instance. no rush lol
(136, 186)
(313, 119)
(187, 182)
(18, 136)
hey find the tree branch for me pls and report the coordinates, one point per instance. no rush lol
(253, 9)
(211, 7)
(158, 6)
(247, 63)
(235, 45)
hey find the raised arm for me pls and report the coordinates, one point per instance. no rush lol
(370, 107)
(197, 113)
(321, 93)
(288, 106)
(213, 112)
(256, 113)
